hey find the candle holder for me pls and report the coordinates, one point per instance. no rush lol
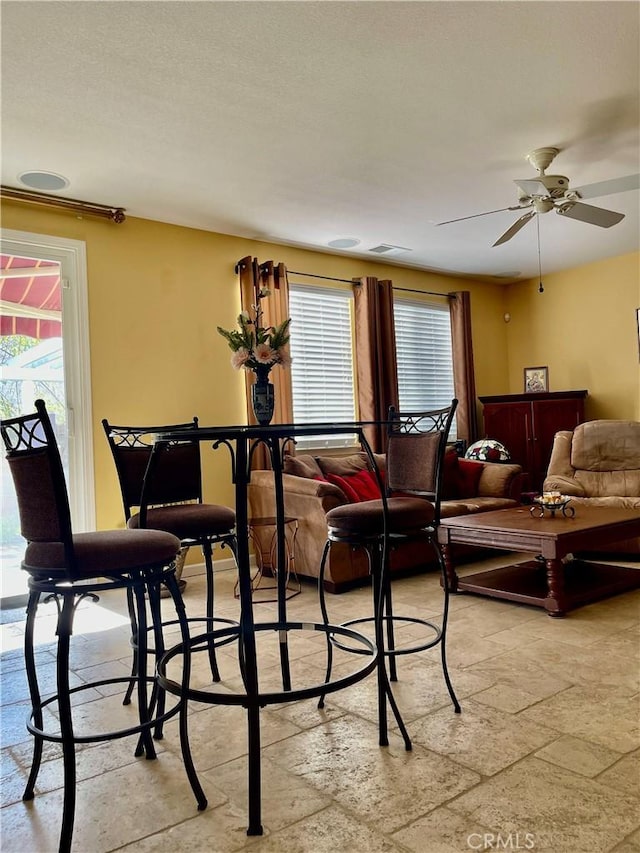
(551, 503)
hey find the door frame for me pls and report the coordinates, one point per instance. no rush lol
(71, 255)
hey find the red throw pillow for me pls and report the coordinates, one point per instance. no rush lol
(359, 487)
(469, 474)
(450, 482)
(344, 484)
(365, 484)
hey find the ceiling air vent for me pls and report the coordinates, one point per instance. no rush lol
(388, 249)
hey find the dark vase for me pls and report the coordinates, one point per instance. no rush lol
(262, 397)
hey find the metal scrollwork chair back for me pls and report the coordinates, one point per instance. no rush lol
(163, 491)
(410, 509)
(67, 568)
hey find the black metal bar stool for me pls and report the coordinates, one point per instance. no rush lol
(68, 568)
(408, 509)
(167, 495)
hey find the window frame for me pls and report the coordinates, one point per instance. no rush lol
(331, 444)
(428, 305)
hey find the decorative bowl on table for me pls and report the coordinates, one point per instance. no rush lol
(549, 503)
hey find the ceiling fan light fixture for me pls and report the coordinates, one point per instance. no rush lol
(543, 205)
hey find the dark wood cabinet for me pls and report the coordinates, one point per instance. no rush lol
(527, 423)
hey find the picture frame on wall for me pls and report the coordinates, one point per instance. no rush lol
(536, 380)
(638, 328)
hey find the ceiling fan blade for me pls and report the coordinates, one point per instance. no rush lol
(517, 225)
(616, 185)
(589, 213)
(475, 215)
(532, 187)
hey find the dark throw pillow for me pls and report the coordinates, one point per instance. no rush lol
(469, 474)
(450, 485)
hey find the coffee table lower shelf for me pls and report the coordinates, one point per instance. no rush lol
(526, 583)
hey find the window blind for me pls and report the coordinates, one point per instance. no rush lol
(322, 360)
(424, 355)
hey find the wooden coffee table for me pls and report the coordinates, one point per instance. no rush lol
(546, 581)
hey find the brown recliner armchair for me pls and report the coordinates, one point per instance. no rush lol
(598, 464)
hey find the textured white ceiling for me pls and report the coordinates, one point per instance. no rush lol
(302, 122)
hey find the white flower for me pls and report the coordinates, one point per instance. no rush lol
(284, 357)
(263, 354)
(239, 358)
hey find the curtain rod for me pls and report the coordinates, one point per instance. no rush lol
(350, 281)
(326, 277)
(106, 211)
(427, 292)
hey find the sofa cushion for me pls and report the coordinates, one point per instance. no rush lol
(303, 466)
(449, 509)
(500, 480)
(617, 501)
(342, 466)
(606, 445)
(597, 484)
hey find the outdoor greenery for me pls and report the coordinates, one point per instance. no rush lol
(10, 389)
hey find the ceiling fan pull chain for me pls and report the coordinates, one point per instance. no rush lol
(540, 287)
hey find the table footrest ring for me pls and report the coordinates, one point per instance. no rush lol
(247, 700)
(190, 620)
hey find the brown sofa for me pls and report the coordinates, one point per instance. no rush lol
(309, 496)
(598, 463)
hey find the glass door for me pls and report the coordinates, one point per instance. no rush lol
(41, 356)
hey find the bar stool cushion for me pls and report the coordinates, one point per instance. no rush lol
(188, 521)
(405, 515)
(105, 552)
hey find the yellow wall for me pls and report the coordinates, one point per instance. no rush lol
(157, 293)
(583, 327)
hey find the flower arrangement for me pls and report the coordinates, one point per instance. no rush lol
(257, 347)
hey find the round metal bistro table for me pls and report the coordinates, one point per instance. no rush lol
(241, 442)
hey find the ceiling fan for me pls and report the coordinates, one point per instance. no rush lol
(552, 192)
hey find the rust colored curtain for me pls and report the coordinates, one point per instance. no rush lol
(275, 309)
(249, 275)
(376, 365)
(463, 373)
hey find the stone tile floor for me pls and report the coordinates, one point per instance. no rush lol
(545, 755)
